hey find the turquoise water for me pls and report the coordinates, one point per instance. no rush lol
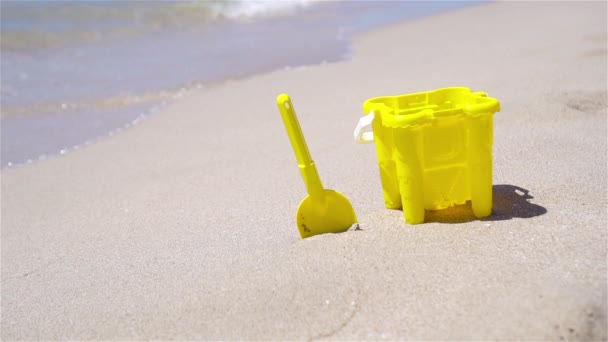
(73, 71)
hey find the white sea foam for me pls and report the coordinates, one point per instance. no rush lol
(256, 8)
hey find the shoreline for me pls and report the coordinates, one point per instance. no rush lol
(184, 227)
(98, 112)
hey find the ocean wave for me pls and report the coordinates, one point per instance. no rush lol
(255, 8)
(32, 25)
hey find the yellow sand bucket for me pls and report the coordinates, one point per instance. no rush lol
(434, 149)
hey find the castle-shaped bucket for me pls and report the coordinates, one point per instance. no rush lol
(434, 149)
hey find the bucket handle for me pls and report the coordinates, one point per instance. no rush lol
(363, 133)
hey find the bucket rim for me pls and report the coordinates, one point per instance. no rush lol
(413, 109)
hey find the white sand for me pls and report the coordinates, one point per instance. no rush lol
(183, 227)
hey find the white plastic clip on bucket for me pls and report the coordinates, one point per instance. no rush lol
(363, 132)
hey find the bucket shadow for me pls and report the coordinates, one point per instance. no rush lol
(509, 201)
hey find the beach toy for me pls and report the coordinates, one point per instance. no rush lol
(434, 149)
(323, 210)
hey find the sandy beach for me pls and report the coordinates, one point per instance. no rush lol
(183, 227)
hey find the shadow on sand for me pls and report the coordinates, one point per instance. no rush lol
(509, 202)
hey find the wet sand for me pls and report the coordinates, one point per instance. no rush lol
(183, 227)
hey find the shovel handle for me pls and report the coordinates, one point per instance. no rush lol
(305, 163)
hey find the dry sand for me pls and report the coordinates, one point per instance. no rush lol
(183, 227)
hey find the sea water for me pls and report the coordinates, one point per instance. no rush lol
(75, 71)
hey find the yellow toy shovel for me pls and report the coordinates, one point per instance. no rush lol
(323, 210)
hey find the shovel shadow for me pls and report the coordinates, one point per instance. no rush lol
(509, 201)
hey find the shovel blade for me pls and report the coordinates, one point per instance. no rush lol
(329, 213)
